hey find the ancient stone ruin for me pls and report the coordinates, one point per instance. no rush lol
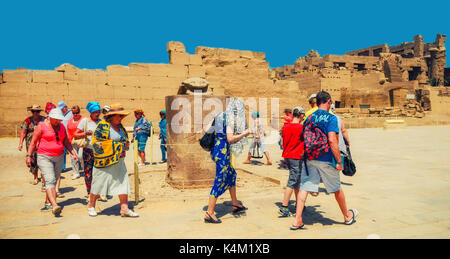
(188, 165)
(365, 82)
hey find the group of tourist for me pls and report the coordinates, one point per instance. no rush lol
(312, 143)
(96, 145)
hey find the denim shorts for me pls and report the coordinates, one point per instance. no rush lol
(319, 170)
(142, 141)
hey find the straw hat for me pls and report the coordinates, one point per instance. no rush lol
(35, 108)
(117, 109)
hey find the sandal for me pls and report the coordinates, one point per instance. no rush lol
(239, 208)
(56, 211)
(297, 227)
(352, 220)
(211, 220)
(129, 214)
(59, 195)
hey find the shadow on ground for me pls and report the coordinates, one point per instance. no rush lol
(311, 214)
(226, 208)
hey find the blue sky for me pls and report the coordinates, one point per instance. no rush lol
(95, 34)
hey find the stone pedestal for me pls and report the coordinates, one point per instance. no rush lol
(188, 164)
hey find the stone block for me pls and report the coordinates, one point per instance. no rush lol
(124, 91)
(70, 75)
(81, 89)
(179, 58)
(104, 91)
(39, 89)
(15, 103)
(121, 80)
(175, 46)
(162, 82)
(195, 60)
(259, 55)
(196, 71)
(159, 70)
(14, 89)
(140, 69)
(177, 71)
(57, 89)
(47, 76)
(23, 76)
(14, 115)
(66, 67)
(118, 70)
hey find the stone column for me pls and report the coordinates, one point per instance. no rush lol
(418, 46)
(188, 164)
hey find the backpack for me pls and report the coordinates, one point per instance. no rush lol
(315, 142)
(149, 127)
(207, 141)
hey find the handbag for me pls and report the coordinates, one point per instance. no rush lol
(349, 165)
(207, 141)
(81, 142)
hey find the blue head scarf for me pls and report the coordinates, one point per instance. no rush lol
(93, 107)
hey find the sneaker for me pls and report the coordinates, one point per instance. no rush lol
(284, 212)
(92, 212)
(47, 206)
(141, 164)
(130, 214)
(75, 176)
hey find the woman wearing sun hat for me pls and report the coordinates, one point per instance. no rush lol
(28, 127)
(109, 176)
(51, 139)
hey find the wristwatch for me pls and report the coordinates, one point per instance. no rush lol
(28, 156)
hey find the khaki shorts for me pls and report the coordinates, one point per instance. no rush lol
(51, 167)
(320, 170)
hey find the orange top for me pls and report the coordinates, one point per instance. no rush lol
(72, 126)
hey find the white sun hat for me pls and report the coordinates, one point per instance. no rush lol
(56, 114)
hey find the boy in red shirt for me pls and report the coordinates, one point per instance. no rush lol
(292, 153)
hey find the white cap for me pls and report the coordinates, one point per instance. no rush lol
(106, 108)
(312, 96)
(300, 109)
(56, 114)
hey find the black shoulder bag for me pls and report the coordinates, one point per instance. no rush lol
(207, 141)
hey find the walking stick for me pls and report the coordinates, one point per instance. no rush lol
(136, 172)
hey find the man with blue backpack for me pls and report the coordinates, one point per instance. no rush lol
(322, 160)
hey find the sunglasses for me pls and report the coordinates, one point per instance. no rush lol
(35, 111)
(75, 113)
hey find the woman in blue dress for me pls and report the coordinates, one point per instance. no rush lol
(230, 136)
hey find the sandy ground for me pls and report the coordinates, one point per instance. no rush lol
(401, 189)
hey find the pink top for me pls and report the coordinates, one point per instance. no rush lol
(47, 144)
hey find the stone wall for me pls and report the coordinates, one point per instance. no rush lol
(143, 85)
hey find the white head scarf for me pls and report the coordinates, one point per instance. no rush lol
(235, 118)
